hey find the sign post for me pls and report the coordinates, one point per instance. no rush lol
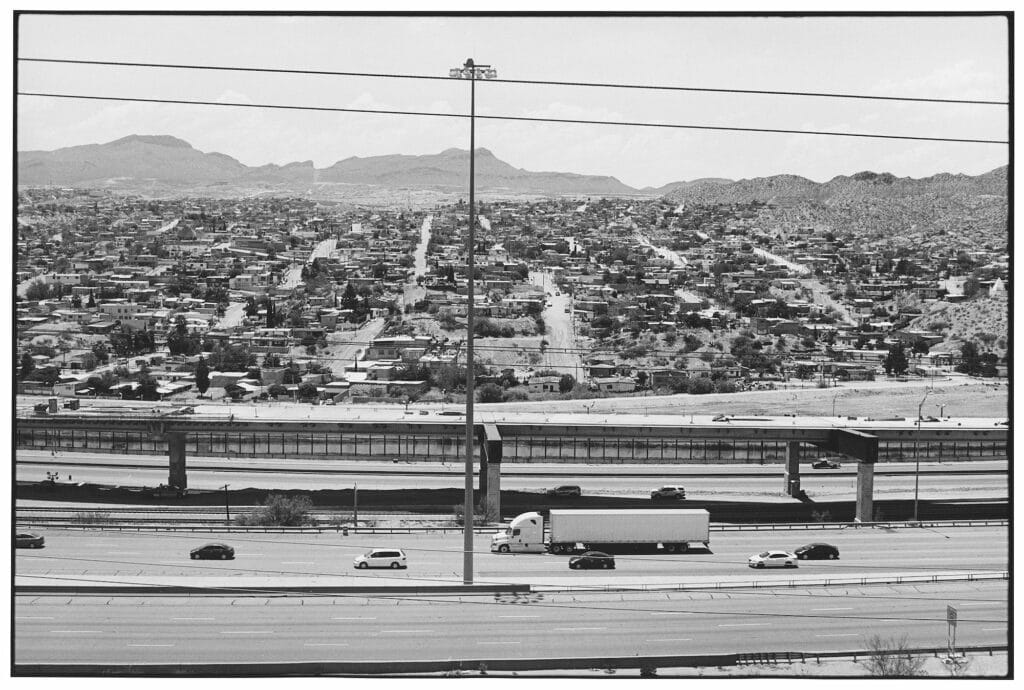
(951, 629)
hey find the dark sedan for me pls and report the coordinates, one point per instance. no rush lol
(591, 559)
(826, 464)
(213, 551)
(817, 552)
(27, 540)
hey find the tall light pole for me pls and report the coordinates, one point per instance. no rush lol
(472, 72)
(917, 453)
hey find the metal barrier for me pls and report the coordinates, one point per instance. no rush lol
(648, 665)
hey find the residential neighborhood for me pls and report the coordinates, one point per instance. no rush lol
(326, 303)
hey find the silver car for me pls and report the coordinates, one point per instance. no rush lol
(772, 559)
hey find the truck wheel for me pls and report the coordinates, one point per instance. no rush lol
(683, 548)
(670, 548)
(503, 548)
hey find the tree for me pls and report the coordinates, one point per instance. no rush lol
(28, 365)
(202, 376)
(291, 374)
(102, 384)
(566, 383)
(896, 361)
(277, 390)
(307, 390)
(490, 393)
(271, 360)
(147, 386)
(102, 352)
(37, 290)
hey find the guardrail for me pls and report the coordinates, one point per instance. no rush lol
(317, 529)
(648, 665)
(775, 584)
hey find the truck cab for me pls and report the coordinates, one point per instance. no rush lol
(525, 534)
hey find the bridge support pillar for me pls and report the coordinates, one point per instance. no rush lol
(865, 491)
(792, 474)
(490, 467)
(176, 452)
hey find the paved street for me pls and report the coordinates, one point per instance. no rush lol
(241, 629)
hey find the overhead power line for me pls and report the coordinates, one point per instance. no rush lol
(540, 82)
(660, 125)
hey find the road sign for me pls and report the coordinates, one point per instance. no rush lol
(951, 615)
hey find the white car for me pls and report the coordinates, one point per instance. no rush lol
(380, 558)
(772, 559)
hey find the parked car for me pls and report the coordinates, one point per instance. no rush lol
(826, 464)
(772, 559)
(817, 552)
(214, 551)
(380, 558)
(27, 540)
(166, 491)
(565, 491)
(591, 559)
(669, 493)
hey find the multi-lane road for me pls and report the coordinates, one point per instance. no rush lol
(303, 627)
(981, 479)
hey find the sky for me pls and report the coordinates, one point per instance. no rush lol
(930, 57)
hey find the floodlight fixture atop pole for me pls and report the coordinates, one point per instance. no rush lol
(917, 453)
(472, 72)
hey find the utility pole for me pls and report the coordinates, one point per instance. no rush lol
(227, 506)
(472, 72)
(917, 453)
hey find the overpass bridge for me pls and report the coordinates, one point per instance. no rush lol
(430, 435)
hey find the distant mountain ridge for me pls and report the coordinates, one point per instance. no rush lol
(171, 163)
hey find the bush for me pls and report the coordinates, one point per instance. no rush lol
(280, 511)
(889, 658)
(483, 513)
(490, 393)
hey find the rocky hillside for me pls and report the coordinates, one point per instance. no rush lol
(858, 187)
(985, 321)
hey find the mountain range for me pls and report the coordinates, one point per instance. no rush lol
(173, 165)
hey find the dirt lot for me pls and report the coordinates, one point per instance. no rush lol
(957, 397)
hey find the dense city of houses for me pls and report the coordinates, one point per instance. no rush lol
(262, 297)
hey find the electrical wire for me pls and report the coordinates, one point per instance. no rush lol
(511, 118)
(541, 82)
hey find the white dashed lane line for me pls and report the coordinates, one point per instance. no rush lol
(840, 608)
(326, 644)
(740, 625)
(671, 613)
(89, 632)
(575, 629)
(839, 635)
(246, 632)
(192, 619)
(149, 645)
(33, 618)
(355, 618)
(671, 639)
(396, 632)
(518, 616)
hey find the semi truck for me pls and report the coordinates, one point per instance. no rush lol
(571, 531)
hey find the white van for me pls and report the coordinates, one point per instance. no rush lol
(380, 558)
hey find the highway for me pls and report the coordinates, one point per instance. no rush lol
(437, 557)
(980, 479)
(259, 629)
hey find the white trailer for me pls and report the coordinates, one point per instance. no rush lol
(573, 530)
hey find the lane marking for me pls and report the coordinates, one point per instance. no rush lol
(513, 642)
(981, 603)
(839, 635)
(405, 631)
(671, 639)
(326, 644)
(33, 618)
(740, 625)
(192, 619)
(838, 608)
(246, 632)
(993, 629)
(671, 613)
(149, 645)
(297, 562)
(77, 631)
(574, 629)
(356, 618)
(518, 616)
